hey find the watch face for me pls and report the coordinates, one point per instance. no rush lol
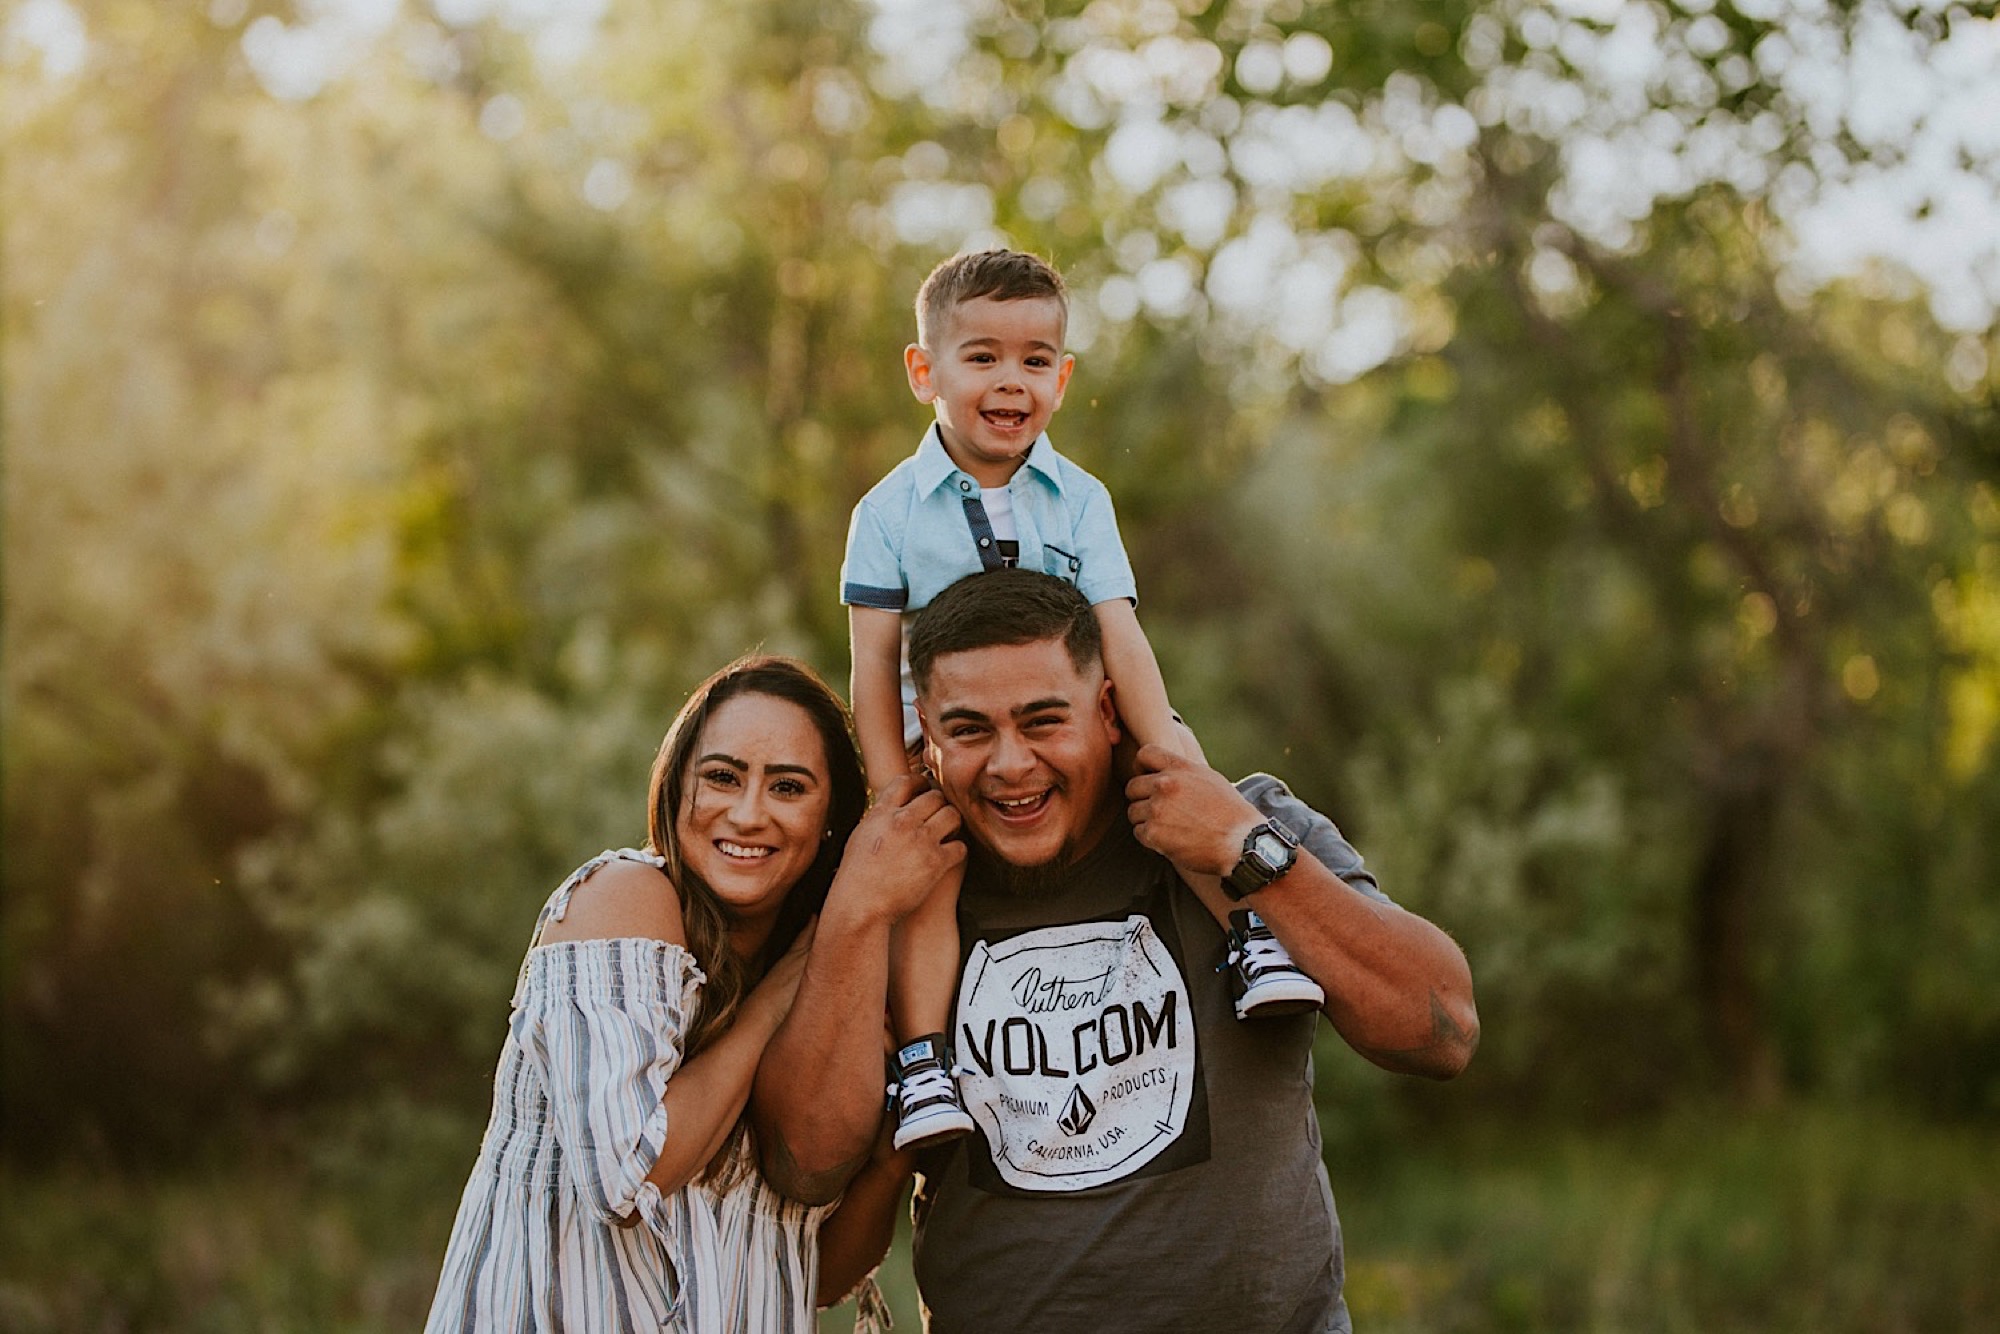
(1271, 850)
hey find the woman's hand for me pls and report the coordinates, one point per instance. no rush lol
(771, 999)
(901, 848)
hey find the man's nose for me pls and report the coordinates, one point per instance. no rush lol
(1011, 755)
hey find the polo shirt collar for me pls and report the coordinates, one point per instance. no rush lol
(934, 467)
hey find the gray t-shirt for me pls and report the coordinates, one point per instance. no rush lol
(1144, 1160)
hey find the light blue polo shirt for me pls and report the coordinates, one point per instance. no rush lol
(924, 527)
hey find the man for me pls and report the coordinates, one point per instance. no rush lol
(1144, 1161)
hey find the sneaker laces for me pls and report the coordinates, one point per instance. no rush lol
(932, 1081)
(1258, 952)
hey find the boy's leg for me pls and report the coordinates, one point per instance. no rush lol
(923, 975)
(1264, 980)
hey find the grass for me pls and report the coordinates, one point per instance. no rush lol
(1812, 1218)
(224, 1251)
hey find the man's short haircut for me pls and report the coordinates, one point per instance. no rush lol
(1009, 606)
(1004, 275)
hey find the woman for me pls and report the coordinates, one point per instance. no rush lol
(616, 1187)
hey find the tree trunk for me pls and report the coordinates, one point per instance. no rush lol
(1729, 894)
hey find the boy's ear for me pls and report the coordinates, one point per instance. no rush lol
(1063, 369)
(917, 364)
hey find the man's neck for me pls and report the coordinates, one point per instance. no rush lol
(1051, 875)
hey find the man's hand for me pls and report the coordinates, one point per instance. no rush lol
(1188, 813)
(901, 848)
(1397, 988)
(818, 1099)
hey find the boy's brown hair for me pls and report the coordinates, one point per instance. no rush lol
(1004, 275)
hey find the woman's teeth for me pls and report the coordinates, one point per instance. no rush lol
(740, 850)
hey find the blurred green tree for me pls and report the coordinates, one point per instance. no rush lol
(399, 418)
(1530, 392)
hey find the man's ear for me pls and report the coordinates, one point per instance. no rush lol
(1107, 711)
(917, 365)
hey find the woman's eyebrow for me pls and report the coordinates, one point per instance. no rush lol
(805, 769)
(743, 766)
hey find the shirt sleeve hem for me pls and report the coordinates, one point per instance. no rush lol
(883, 599)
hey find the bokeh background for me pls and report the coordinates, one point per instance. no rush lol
(1558, 436)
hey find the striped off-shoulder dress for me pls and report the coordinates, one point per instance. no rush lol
(558, 1228)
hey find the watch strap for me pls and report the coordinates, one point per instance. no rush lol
(1252, 871)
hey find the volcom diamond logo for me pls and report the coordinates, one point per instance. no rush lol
(1078, 1111)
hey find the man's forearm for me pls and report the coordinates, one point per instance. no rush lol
(1398, 989)
(818, 1098)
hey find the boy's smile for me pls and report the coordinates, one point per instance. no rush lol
(995, 378)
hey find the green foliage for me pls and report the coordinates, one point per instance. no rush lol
(349, 1238)
(404, 930)
(385, 457)
(1558, 880)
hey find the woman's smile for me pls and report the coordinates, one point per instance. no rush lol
(754, 806)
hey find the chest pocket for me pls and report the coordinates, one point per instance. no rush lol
(1061, 563)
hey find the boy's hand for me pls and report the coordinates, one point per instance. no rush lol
(1187, 812)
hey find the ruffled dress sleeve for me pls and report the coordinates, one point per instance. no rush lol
(603, 1024)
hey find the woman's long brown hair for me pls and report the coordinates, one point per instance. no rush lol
(703, 915)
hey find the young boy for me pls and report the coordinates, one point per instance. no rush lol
(986, 490)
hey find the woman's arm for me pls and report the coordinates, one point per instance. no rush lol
(705, 1094)
(855, 1236)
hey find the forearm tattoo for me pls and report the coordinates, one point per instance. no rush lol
(1448, 1048)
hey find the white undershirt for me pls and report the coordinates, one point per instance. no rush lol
(999, 503)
